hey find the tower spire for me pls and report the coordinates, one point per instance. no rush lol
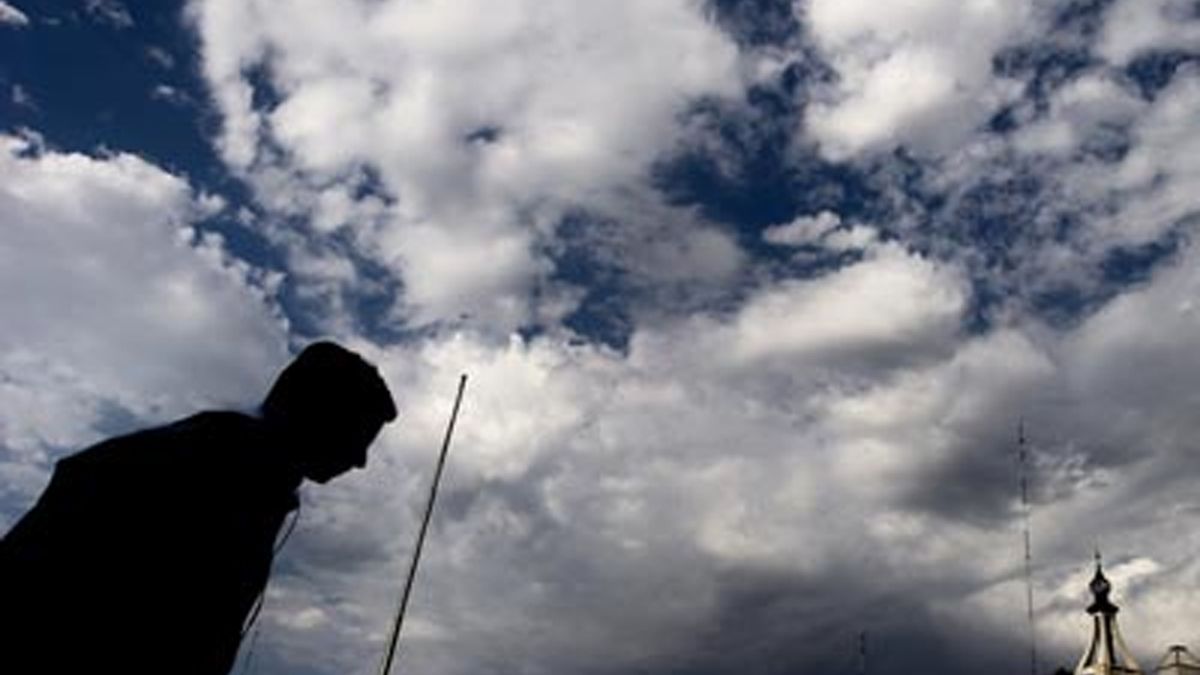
(1106, 653)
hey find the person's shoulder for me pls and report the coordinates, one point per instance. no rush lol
(216, 435)
(217, 422)
(144, 444)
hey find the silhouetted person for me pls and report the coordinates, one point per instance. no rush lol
(146, 553)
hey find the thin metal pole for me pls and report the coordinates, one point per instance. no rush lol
(1026, 516)
(386, 666)
(862, 653)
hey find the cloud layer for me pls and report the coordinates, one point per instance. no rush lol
(692, 506)
(985, 215)
(917, 74)
(114, 306)
(479, 127)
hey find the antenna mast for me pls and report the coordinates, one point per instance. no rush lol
(862, 653)
(386, 667)
(1026, 517)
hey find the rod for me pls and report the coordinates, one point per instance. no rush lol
(862, 653)
(1026, 516)
(386, 666)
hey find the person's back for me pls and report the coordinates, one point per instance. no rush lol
(147, 552)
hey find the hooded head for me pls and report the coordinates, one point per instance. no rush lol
(329, 404)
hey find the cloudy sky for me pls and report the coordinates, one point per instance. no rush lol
(753, 295)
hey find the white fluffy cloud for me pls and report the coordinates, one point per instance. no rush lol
(1161, 171)
(484, 121)
(823, 229)
(112, 304)
(893, 301)
(1078, 111)
(802, 230)
(1134, 27)
(1095, 170)
(11, 16)
(916, 73)
(1149, 189)
(1133, 359)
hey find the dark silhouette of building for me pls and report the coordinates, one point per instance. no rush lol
(147, 553)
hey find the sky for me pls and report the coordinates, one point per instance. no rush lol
(753, 296)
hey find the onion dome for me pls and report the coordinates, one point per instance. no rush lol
(1106, 653)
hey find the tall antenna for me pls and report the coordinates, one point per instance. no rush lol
(862, 653)
(386, 666)
(1026, 517)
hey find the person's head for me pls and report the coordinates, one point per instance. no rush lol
(330, 404)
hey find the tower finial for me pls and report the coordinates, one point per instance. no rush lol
(1106, 653)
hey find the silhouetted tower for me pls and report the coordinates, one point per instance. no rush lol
(1106, 653)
